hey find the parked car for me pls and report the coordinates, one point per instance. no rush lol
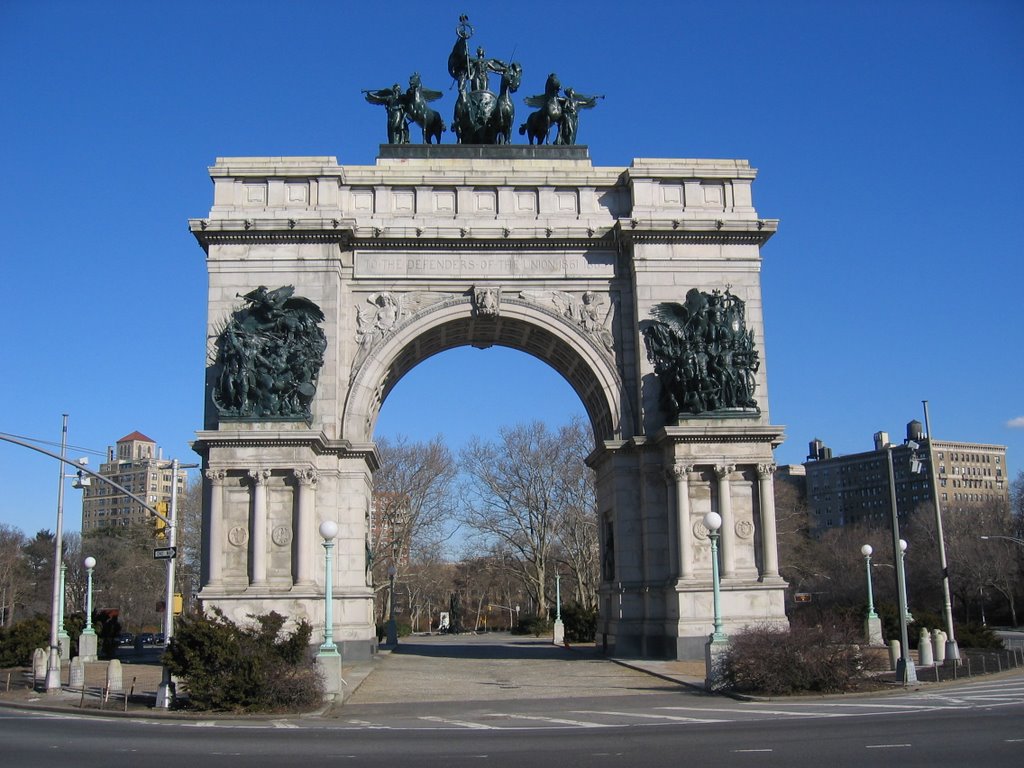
(125, 638)
(146, 638)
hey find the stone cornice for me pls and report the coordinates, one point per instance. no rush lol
(428, 234)
(686, 230)
(728, 432)
(316, 441)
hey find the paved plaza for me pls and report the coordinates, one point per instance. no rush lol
(501, 666)
(436, 668)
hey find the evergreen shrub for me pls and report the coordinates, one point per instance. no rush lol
(256, 668)
(18, 641)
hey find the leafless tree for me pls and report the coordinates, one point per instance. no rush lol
(576, 517)
(127, 578)
(515, 498)
(413, 505)
(12, 572)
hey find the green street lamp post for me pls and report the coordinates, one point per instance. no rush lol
(328, 659)
(717, 642)
(87, 640)
(872, 624)
(328, 530)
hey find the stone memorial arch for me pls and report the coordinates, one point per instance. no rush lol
(640, 285)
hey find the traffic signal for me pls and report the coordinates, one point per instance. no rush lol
(160, 525)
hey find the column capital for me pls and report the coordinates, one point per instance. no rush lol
(724, 470)
(765, 470)
(216, 476)
(259, 476)
(306, 476)
(679, 472)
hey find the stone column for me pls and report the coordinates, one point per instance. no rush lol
(766, 487)
(728, 540)
(216, 478)
(259, 524)
(684, 534)
(305, 530)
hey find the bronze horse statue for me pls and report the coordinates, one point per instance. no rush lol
(505, 114)
(483, 118)
(420, 112)
(538, 124)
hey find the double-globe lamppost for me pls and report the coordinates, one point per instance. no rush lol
(717, 642)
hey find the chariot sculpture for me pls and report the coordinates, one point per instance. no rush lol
(480, 115)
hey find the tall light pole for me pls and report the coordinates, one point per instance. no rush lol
(952, 649)
(165, 692)
(872, 624)
(87, 640)
(392, 626)
(717, 641)
(53, 664)
(905, 671)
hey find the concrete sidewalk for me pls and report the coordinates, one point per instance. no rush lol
(419, 669)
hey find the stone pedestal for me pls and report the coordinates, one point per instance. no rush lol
(714, 650)
(558, 637)
(873, 631)
(87, 646)
(329, 665)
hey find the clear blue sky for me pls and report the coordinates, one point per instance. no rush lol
(887, 135)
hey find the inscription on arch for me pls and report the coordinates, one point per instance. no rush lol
(470, 265)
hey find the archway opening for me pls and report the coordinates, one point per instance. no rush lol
(474, 401)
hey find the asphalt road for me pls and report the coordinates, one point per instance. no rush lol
(475, 701)
(945, 737)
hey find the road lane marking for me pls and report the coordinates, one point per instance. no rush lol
(752, 750)
(460, 723)
(744, 711)
(555, 720)
(887, 746)
(674, 718)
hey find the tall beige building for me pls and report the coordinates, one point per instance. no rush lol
(136, 465)
(854, 489)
